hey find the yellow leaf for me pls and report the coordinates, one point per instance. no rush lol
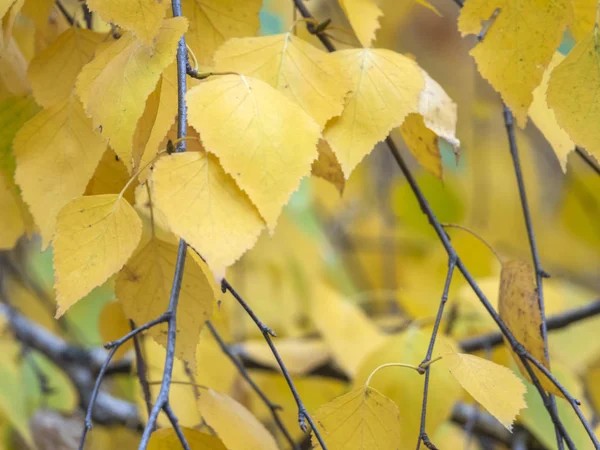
(110, 177)
(9, 19)
(203, 205)
(519, 309)
(308, 76)
(494, 386)
(300, 355)
(13, 69)
(422, 143)
(572, 92)
(113, 325)
(344, 327)
(517, 47)
(144, 286)
(404, 386)
(362, 419)
(52, 73)
(166, 439)
(57, 152)
(13, 213)
(363, 15)
(143, 17)
(213, 368)
(545, 119)
(584, 13)
(114, 86)
(14, 112)
(263, 140)
(451, 435)
(95, 236)
(212, 22)
(234, 424)
(328, 167)
(385, 89)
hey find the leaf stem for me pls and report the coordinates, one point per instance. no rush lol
(475, 235)
(408, 366)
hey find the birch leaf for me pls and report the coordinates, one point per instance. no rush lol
(310, 77)
(263, 140)
(203, 205)
(573, 94)
(53, 72)
(517, 47)
(94, 238)
(113, 325)
(59, 143)
(545, 119)
(114, 86)
(111, 177)
(362, 419)
(363, 15)
(327, 166)
(234, 424)
(144, 287)
(143, 17)
(385, 89)
(494, 386)
(519, 309)
(167, 439)
(212, 22)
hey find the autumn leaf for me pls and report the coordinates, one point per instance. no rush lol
(111, 177)
(517, 46)
(519, 309)
(212, 22)
(113, 325)
(144, 285)
(203, 205)
(344, 327)
(385, 89)
(263, 140)
(57, 152)
(114, 86)
(167, 439)
(362, 419)
(573, 95)
(494, 386)
(300, 355)
(234, 424)
(364, 18)
(14, 223)
(94, 238)
(545, 119)
(584, 13)
(143, 17)
(53, 72)
(310, 77)
(328, 167)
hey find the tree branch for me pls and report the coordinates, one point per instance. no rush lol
(589, 160)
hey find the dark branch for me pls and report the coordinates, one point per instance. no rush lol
(244, 373)
(140, 364)
(589, 160)
(303, 415)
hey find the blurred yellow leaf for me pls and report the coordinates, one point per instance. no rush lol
(213, 368)
(57, 152)
(143, 17)
(363, 15)
(144, 286)
(495, 387)
(345, 328)
(166, 439)
(113, 325)
(114, 86)
(53, 72)
(278, 139)
(310, 77)
(545, 119)
(14, 211)
(584, 13)
(328, 167)
(300, 355)
(385, 89)
(214, 21)
(234, 424)
(185, 188)
(519, 41)
(572, 93)
(519, 309)
(95, 236)
(363, 419)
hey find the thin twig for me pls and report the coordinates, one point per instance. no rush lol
(140, 365)
(539, 272)
(588, 159)
(303, 415)
(244, 373)
(423, 437)
(66, 14)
